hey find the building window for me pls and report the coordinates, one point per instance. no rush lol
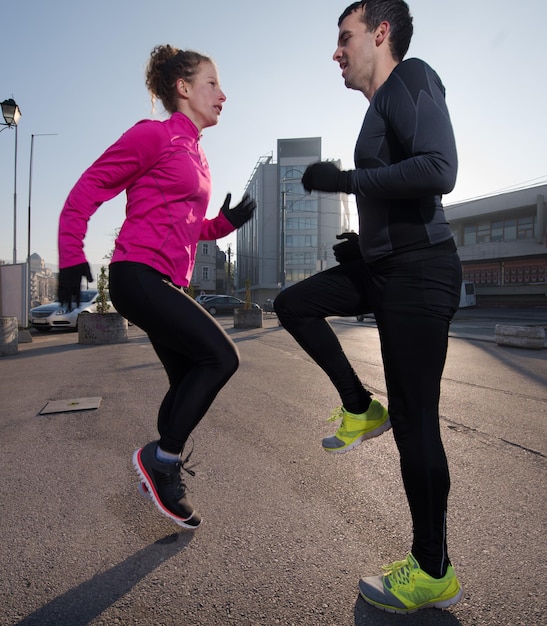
(500, 230)
(469, 235)
(301, 223)
(299, 258)
(300, 241)
(205, 249)
(483, 232)
(510, 230)
(295, 275)
(205, 273)
(525, 228)
(496, 233)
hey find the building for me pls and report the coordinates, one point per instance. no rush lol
(212, 272)
(292, 233)
(502, 243)
(43, 284)
(224, 284)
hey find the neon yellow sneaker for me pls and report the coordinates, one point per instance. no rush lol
(405, 588)
(354, 428)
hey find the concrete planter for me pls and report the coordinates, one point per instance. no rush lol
(247, 318)
(9, 336)
(531, 337)
(101, 328)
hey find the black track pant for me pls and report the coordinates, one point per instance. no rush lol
(413, 302)
(197, 354)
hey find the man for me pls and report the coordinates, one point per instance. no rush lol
(404, 268)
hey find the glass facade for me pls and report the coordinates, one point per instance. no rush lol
(301, 225)
(290, 237)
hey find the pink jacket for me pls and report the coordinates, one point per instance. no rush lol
(168, 184)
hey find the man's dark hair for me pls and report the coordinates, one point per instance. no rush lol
(396, 12)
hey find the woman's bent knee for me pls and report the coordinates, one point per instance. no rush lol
(279, 303)
(233, 362)
(228, 360)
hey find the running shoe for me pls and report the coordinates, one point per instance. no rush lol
(164, 484)
(404, 588)
(356, 428)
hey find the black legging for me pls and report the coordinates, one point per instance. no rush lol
(413, 302)
(197, 354)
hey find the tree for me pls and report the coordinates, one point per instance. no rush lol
(103, 305)
(248, 303)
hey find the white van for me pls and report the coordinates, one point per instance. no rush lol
(467, 294)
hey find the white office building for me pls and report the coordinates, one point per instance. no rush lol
(292, 234)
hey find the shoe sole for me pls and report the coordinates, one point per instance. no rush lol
(146, 488)
(143, 490)
(440, 604)
(370, 435)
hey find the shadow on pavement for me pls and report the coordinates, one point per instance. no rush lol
(84, 603)
(525, 366)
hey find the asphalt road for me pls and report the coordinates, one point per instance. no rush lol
(288, 529)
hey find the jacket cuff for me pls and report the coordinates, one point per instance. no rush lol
(345, 181)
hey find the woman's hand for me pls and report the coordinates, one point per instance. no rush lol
(241, 213)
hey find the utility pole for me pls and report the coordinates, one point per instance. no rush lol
(282, 263)
(229, 269)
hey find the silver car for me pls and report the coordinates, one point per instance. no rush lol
(54, 315)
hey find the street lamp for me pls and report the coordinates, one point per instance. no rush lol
(12, 114)
(29, 274)
(282, 271)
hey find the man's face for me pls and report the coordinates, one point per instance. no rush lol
(355, 52)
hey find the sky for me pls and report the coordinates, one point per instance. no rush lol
(76, 70)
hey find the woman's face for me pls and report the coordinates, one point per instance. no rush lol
(202, 99)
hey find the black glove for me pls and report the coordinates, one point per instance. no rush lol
(326, 177)
(69, 283)
(239, 214)
(348, 250)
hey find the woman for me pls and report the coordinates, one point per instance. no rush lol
(166, 177)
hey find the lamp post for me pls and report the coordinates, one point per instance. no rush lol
(29, 208)
(12, 114)
(282, 271)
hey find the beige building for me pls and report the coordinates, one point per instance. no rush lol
(43, 284)
(210, 271)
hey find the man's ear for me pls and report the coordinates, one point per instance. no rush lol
(382, 33)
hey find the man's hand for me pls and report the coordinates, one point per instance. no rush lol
(69, 283)
(349, 249)
(325, 176)
(239, 214)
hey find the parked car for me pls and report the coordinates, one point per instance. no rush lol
(224, 305)
(54, 315)
(202, 297)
